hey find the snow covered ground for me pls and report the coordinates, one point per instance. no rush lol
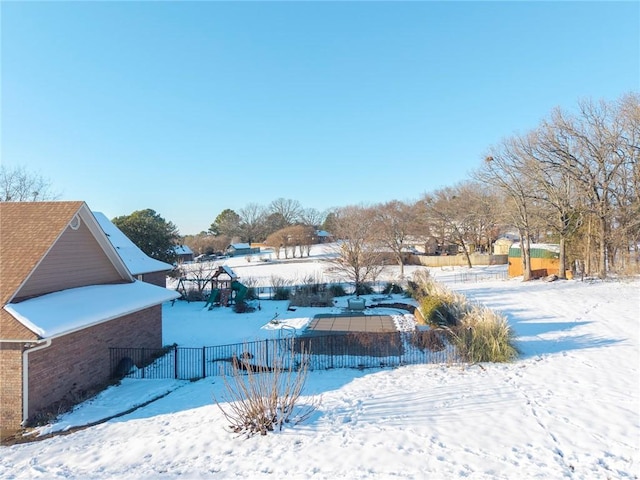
(568, 408)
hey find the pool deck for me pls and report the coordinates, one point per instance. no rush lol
(349, 323)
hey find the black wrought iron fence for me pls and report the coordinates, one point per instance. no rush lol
(354, 350)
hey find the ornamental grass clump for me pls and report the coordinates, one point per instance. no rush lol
(479, 333)
(485, 336)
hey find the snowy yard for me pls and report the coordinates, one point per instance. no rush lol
(569, 407)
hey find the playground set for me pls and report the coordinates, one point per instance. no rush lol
(223, 284)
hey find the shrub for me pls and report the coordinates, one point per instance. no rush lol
(261, 399)
(364, 289)
(337, 291)
(281, 293)
(436, 312)
(485, 336)
(391, 288)
(243, 307)
(479, 333)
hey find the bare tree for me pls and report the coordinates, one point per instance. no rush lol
(312, 217)
(394, 222)
(451, 208)
(504, 168)
(556, 190)
(588, 148)
(359, 257)
(290, 210)
(19, 185)
(252, 222)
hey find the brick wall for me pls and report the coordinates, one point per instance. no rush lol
(11, 390)
(79, 362)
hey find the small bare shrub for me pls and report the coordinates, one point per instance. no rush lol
(280, 288)
(260, 399)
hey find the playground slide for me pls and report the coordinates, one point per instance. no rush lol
(241, 290)
(214, 297)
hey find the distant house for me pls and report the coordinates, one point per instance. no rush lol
(323, 236)
(502, 245)
(67, 295)
(139, 263)
(184, 253)
(236, 249)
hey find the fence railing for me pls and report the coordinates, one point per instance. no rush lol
(475, 277)
(357, 350)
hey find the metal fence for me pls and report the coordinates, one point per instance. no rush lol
(475, 277)
(357, 350)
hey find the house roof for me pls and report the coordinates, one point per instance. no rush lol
(135, 259)
(28, 230)
(68, 310)
(182, 250)
(239, 246)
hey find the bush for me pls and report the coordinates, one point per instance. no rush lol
(364, 289)
(337, 291)
(485, 336)
(243, 307)
(261, 399)
(392, 288)
(436, 312)
(479, 333)
(281, 293)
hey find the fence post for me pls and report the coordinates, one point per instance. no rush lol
(331, 349)
(143, 361)
(266, 351)
(175, 362)
(204, 364)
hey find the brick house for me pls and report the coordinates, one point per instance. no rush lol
(66, 297)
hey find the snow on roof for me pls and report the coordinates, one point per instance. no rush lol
(135, 259)
(240, 246)
(182, 250)
(229, 271)
(75, 308)
(552, 247)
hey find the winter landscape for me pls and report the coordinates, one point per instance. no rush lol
(568, 407)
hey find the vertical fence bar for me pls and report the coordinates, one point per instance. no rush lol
(204, 363)
(175, 361)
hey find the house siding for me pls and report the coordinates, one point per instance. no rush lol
(76, 260)
(11, 391)
(77, 363)
(156, 278)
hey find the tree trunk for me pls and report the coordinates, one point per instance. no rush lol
(562, 267)
(602, 250)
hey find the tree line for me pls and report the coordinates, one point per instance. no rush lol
(574, 180)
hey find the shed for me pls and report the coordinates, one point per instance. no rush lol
(545, 260)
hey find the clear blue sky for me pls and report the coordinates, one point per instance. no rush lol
(189, 108)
